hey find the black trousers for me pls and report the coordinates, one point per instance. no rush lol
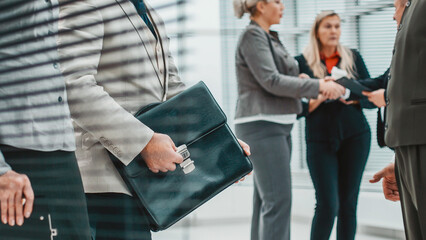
(116, 216)
(410, 171)
(56, 181)
(336, 175)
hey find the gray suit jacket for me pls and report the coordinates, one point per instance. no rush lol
(406, 95)
(117, 68)
(266, 75)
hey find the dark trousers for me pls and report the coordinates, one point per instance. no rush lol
(410, 170)
(116, 216)
(336, 175)
(270, 145)
(56, 181)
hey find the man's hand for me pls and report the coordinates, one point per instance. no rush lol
(330, 89)
(390, 188)
(304, 76)
(13, 188)
(347, 102)
(376, 97)
(160, 154)
(245, 147)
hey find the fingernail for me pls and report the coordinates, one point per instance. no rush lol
(27, 214)
(12, 223)
(20, 221)
(4, 220)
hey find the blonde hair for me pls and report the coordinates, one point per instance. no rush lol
(246, 6)
(312, 51)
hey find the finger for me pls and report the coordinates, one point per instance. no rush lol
(379, 175)
(171, 167)
(250, 173)
(163, 169)
(29, 199)
(242, 179)
(3, 206)
(374, 180)
(18, 208)
(365, 93)
(11, 210)
(393, 196)
(245, 147)
(173, 145)
(178, 158)
(154, 170)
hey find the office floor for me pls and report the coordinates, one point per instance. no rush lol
(238, 230)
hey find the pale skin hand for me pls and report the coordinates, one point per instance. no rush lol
(160, 154)
(314, 103)
(246, 149)
(330, 89)
(390, 187)
(376, 97)
(15, 187)
(347, 102)
(304, 76)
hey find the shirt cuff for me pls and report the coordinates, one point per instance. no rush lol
(4, 167)
(347, 94)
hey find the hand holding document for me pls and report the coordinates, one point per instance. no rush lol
(350, 84)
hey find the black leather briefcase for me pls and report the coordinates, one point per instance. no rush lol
(213, 158)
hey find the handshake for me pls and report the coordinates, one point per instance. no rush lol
(328, 88)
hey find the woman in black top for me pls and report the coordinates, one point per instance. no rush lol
(337, 133)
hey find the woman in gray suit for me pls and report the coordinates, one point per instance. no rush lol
(268, 102)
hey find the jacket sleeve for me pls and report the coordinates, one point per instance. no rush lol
(256, 51)
(362, 73)
(92, 108)
(175, 85)
(376, 83)
(4, 167)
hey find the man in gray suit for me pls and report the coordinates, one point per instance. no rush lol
(406, 117)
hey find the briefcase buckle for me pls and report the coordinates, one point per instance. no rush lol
(187, 165)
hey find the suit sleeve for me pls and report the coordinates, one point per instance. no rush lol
(362, 73)
(92, 108)
(256, 51)
(4, 167)
(175, 85)
(376, 83)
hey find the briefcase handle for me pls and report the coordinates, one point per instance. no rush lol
(146, 108)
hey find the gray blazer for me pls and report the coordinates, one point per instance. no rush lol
(406, 95)
(266, 75)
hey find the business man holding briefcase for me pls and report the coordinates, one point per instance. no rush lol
(128, 67)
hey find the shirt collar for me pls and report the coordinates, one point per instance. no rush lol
(334, 55)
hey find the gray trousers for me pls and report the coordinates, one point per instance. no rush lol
(270, 145)
(410, 169)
